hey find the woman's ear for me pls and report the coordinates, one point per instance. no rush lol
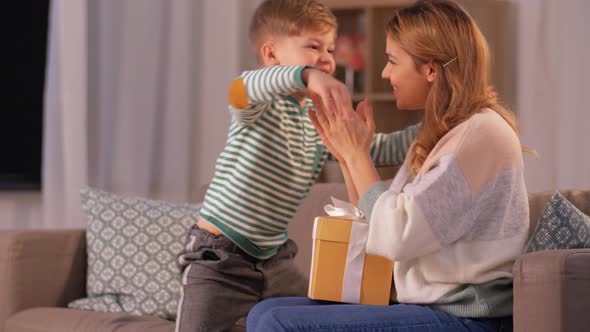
(268, 54)
(430, 72)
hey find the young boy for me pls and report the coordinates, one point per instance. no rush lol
(239, 253)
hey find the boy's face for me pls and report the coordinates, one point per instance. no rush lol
(309, 48)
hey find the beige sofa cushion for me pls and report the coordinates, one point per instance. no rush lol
(70, 320)
(40, 268)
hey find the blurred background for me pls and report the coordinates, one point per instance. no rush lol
(130, 95)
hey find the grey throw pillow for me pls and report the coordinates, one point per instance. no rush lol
(132, 245)
(561, 226)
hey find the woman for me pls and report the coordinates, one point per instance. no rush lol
(456, 215)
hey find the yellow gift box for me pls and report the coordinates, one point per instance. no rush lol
(329, 260)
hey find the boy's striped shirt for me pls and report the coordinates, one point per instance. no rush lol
(272, 157)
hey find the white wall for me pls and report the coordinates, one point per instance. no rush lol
(223, 52)
(20, 209)
(552, 90)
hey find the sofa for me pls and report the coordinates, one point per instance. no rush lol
(42, 270)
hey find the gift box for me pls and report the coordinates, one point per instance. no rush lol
(341, 270)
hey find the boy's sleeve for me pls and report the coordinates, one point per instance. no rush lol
(251, 92)
(392, 148)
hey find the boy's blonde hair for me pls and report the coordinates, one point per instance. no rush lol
(442, 32)
(280, 18)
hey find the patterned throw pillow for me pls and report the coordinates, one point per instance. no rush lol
(132, 246)
(561, 226)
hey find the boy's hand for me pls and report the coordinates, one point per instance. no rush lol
(333, 93)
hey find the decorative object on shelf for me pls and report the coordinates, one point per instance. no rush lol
(351, 54)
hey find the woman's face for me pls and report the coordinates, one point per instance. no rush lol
(411, 84)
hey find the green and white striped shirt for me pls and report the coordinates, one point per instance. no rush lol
(272, 157)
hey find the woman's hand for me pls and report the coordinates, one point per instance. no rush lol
(348, 136)
(314, 120)
(348, 133)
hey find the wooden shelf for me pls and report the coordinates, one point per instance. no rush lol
(362, 23)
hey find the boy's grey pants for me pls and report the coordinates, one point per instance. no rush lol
(220, 282)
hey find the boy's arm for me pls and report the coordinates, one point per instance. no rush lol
(392, 148)
(264, 85)
(252, 91)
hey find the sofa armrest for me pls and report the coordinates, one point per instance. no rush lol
(552, 291)
(40, 268)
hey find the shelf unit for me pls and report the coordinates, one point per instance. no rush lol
(362, 29)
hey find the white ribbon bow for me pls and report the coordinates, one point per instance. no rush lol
(340, 208)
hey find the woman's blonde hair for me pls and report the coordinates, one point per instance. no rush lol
(289, 18)
(442, 33)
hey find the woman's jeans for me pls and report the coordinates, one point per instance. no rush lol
(303, 314)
